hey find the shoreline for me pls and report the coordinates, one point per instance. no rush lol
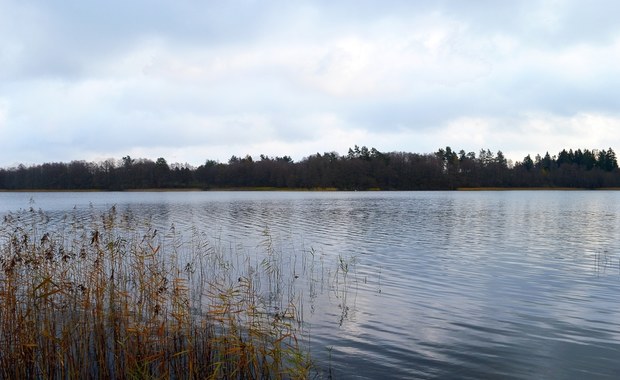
(285, 189)
(166, 190)
(534, 188)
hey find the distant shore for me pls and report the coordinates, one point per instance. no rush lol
(164, 190)
(284, 189)
(532, 188)
(360, 169)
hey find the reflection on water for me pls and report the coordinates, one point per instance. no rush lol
(424, 284)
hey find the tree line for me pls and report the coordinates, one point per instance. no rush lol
(360, 169)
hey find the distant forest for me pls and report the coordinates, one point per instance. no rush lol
(360, 169)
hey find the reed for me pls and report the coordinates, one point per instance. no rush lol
(106, 297)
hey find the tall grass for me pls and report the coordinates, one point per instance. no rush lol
(107, 297)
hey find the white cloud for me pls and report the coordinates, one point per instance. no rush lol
(209, 80)
(534, 133)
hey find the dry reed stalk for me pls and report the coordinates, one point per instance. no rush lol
(106, 299)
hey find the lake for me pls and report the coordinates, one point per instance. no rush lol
(507, 284)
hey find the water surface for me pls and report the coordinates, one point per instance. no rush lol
(510, 284)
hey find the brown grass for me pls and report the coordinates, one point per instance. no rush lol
(103, 298)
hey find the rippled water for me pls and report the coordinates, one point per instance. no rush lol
(512, 284)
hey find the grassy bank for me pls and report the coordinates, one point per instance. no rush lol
(103, 297)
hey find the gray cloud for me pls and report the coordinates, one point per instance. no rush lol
(190, 78)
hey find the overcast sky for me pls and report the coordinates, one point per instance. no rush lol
(196, 80)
